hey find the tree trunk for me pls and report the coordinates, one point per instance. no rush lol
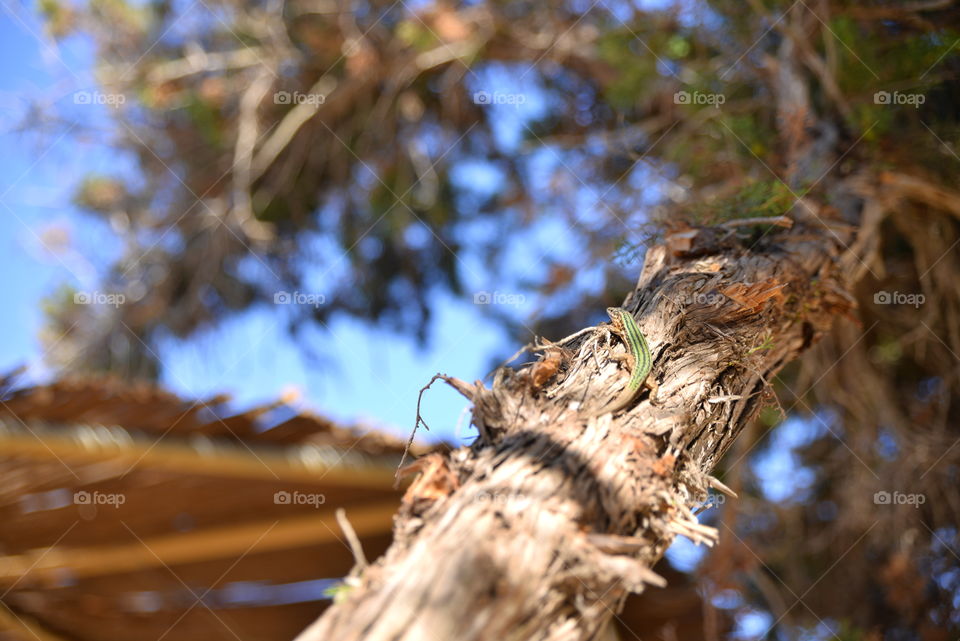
(542, 527)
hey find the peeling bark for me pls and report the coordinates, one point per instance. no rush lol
(541, 527)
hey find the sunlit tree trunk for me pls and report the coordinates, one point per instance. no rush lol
(541, 528)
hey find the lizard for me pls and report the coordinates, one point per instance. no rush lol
(638, 357)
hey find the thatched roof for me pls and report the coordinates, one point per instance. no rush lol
(125, 507)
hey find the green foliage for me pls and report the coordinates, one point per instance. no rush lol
(873, 57)
(101, 194)
(850, 632)
(678, 46)
(634, 73)
(206, 119)
(887, 351)
(751, 137)
(59, 17)
(61, 297)
(770, 416)
(761, 199)
(878, 62)
(767, 344)
(415, 34)
(133, 19)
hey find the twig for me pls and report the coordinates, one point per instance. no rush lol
(458, 385)
(717, 484)
(536, 346)
(288, 127)
(780, 221)
(204, 62)
(352, 539)
(915, 188)
(243, 155)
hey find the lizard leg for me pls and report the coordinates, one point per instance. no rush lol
(654, 387)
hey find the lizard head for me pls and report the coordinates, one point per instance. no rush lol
(614, 314)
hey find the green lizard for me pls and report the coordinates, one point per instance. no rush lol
(638, 358)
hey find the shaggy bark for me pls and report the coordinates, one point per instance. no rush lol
(542, 527)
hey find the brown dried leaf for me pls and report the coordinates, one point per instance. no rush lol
(436, 481)
(663, 467)
(753, 297)
(681, 243)
(449, 25)
(546, 368)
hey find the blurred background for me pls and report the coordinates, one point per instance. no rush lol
(239, 236)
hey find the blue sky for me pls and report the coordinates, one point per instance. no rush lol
(29, 185)
(368, 374)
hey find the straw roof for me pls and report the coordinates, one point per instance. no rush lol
(125, 507)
